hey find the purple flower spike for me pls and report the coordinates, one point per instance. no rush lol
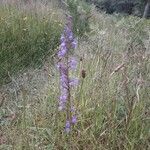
(62, 53)
(67, 127)
(65, 64)
(74, 119)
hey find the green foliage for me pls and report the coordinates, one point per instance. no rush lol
(25, 40)
(80, 12)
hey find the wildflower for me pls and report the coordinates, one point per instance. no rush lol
(63, 50)
(73, 63)
(74, 119)
(64, 66)
(68, 126)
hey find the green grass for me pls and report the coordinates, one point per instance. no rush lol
(26, 38)
(112, 100)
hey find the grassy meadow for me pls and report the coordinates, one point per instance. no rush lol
(112, 101)
(26, 36)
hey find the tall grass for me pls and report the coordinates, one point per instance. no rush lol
(112, 100)
(28, 34)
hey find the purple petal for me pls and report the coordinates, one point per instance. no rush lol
(68, 33)
(74, 119)
(73, 63)
(62, 53)
(70, 36)
(74, 43)
(63, 78)
(63, 44)
(64, 82)
(67, 127)
(63, 98)
(63, 50)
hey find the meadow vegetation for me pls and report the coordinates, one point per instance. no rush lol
(27, 35)
(112, 99)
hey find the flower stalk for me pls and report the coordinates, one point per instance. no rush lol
(65, 65)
